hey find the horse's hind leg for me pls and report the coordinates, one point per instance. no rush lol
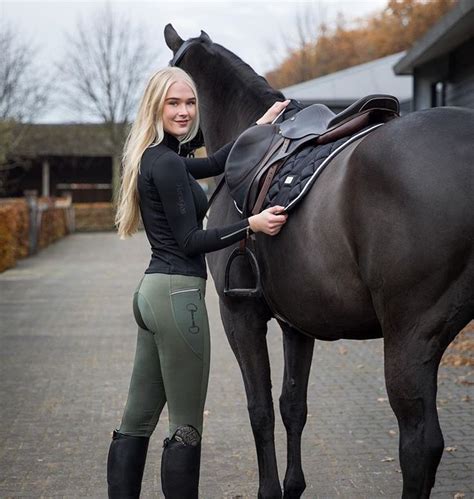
(412, 358)
(246, 328)
(298, 352)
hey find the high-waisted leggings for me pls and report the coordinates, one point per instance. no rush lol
(172, 355)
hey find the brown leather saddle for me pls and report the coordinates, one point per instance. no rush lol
(261, 150)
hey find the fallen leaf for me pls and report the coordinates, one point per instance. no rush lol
(387, 459)
(459, 495)
(466, 398)
(451, 449)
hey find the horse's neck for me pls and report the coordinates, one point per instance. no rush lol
(229, 110)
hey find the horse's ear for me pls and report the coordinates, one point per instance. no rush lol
(205, 37)
(173, 40)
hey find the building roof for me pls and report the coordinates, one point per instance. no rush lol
(348, 85)
(86, 140)
(453, 29)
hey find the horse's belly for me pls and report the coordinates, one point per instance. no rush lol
(316, 289)
(326, 310)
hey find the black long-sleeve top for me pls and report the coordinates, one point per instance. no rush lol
(173, 206)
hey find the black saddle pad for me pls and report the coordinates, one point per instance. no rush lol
(296, 173)
(300, 171)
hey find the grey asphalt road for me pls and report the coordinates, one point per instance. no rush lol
(66, 349)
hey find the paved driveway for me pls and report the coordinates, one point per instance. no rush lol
(66, 348)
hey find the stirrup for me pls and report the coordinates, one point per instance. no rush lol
(255, 292)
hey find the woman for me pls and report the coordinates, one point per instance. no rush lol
(172, 356)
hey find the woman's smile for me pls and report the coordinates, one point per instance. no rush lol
(179, 110)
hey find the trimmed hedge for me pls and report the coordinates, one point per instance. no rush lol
(91, 217)
(7, 237)
(15, 228)
(53, 226)
(14, 232)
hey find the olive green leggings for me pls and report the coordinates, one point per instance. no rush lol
(172, 356)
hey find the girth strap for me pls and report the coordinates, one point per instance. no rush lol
(281, 146)
(266, 185)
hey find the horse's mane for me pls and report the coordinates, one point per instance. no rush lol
(246, 75)
(232, 95)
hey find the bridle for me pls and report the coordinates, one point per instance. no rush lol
(181, 51)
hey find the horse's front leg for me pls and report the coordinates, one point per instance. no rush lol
(245, 323)
(298, 352)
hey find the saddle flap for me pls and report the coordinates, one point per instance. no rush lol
(246, 154)
(312, 120)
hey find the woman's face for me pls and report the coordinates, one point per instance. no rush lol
(179, 109)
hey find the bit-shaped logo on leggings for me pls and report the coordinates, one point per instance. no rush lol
(192, 308)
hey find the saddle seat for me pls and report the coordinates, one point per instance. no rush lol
(260, 150)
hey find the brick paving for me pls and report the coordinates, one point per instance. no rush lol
(66, 349)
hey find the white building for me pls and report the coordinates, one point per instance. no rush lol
(340, 89)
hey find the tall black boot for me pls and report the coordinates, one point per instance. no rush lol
(180, 464)
(125, 465)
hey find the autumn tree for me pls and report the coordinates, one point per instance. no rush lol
(395, 28)
(106, 62)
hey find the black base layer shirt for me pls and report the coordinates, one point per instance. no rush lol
(173, 206)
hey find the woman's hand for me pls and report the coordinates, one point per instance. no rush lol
(268, 221)
(273, 112)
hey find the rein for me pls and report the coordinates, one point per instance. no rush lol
(214, 194)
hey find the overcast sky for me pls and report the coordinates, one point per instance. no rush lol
(255, 30)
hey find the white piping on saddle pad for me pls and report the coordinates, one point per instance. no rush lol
(237, 208)
(326, 161)
(323, 165)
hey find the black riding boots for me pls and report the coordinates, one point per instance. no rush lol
(180, 464)
(125, 465)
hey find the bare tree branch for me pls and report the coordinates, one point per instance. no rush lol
(105, 64)
(24, 94)
(107, 61)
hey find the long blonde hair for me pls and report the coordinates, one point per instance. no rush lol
(147, 129)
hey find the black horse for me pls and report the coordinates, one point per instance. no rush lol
(382, 246)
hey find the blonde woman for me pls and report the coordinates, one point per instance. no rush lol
(172, 355)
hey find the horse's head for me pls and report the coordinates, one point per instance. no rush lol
(181, 48)
(232, 95)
